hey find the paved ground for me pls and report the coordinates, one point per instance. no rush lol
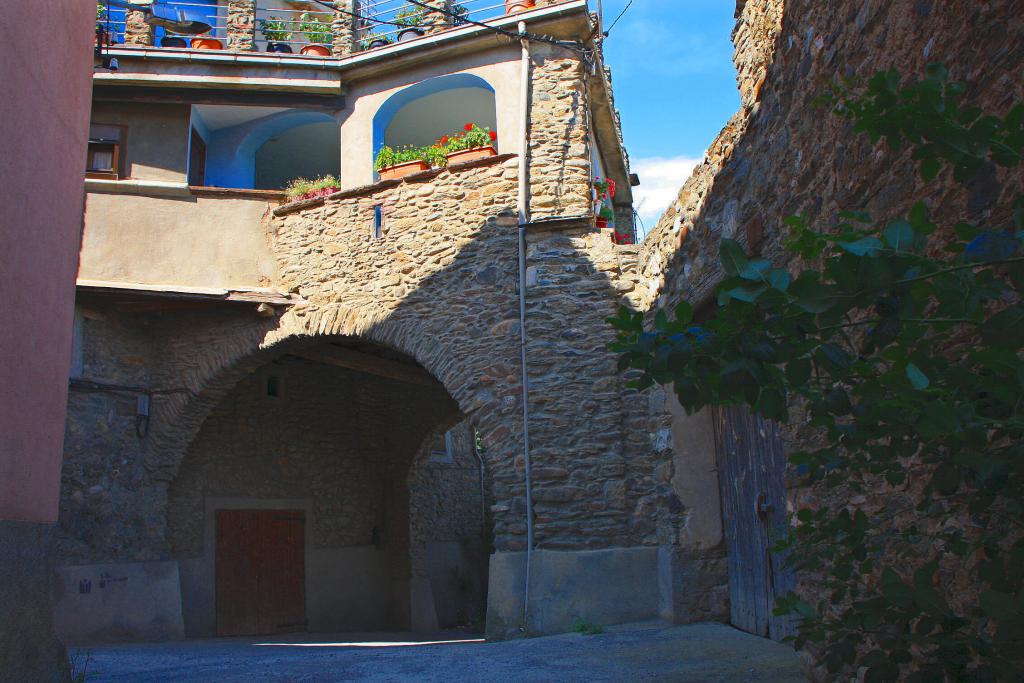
(638, 652)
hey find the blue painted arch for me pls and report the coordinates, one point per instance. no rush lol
(231, 152)
(432, 86)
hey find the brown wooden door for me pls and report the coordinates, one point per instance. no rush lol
(260, 568)
(751, 469)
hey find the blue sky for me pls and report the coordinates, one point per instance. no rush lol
(675, 85)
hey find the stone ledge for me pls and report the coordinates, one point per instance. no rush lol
(363, 190)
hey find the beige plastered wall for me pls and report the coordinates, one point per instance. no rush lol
(156, 147)
(213, 242)
(500, 68)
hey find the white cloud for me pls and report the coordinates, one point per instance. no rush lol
(660, 180)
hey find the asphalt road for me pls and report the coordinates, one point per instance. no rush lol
(637, 652)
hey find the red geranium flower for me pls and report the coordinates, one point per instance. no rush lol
(443, 140)
(469, 126)
(493, 136)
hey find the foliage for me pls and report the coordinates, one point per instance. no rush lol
(461, 13)
(393, 156)
(409, 16)
(435, 155)
(301, 188)
(318, 31)
(471, 136)
(900, 345)
(275, 29)
(585, 628)
(372, 36)
(607, 212)
(101, 12)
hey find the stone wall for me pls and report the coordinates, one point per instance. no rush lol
(560, 171)
(782, 154)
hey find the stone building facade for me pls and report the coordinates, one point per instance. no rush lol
(239, 353)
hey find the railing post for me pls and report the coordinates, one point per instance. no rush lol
(436, 19)
(242, 25)
(345, 28)
(137, 32)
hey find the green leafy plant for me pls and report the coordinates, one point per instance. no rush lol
(101, 12)
(607, 212)
(898, 345)
(472, 136)
(371, 36)
(409, 16)
(301, 188)
(275, 29)
(393, 156)
(586, 628)
(435, 155)
(318, 32)
(461, 14)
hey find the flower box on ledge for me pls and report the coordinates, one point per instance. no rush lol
(464, 155)
(402, 170)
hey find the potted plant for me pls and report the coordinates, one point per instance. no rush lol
(102, 34)
(604, 216)
(374, 40)
(275, 30)
(393, 163)
(516, 6)
(472, 143)
(206, 42)
(622, 238)
(173, 41)
(460, 14)
(301, 188)
(319, 33)
(409, 20)
(601, 187)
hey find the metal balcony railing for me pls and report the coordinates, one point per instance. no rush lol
(386, 22)
(308, 27)
(286, 29)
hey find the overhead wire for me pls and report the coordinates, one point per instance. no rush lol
(621, 14)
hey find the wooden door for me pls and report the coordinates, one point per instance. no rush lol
(260, 572)
(751, 468)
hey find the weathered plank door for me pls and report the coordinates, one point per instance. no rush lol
(260, 572)
(751, 468)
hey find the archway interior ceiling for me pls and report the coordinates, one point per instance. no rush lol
(425, 120)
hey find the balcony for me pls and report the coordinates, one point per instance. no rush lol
(303, 28)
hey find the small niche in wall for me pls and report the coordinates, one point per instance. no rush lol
(273, 385)
(378, 222)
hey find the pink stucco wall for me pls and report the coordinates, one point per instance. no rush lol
(46, 73)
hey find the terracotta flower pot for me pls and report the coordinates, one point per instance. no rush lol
(402, 170)
(516, 6)
(465, 155)
(317, 50)
(207, 44)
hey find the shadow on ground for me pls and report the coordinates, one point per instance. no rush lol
(637, 652)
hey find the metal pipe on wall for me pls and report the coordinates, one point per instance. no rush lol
(524, 218)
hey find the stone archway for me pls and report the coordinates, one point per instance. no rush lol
(329, 427)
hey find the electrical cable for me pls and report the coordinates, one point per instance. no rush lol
(621, 14)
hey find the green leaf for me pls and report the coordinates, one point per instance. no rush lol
(998, 605)
(865, 246)
(755, 270)
(748, 293)
(946, 479)
(929, 169)
(684, 313)
(899, 235)
(779, 279)
(917, 378)
(734, 259)
(798, 371)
